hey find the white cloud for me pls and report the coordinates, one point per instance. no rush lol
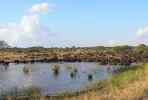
(29, 31)
(119, 43)
(30, 23)
(8, 32)
(42, 7)
(142, 31)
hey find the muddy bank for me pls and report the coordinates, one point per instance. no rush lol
(66, 57)
(104, 55)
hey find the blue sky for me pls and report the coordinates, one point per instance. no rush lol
(76, 22)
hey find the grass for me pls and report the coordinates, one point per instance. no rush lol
(27, 70)
(56, 70)
(131, 82)
(128, 75)
(18, 93)
(71, 68)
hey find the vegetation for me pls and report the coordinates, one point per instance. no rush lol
(124, 55)
(72, 69)
(15, 93)
(56, 69)
(27, 70)
(130, 84)
(90, 77)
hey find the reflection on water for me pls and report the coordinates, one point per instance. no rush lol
(51, 78)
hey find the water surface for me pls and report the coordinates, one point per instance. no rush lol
(41, 75)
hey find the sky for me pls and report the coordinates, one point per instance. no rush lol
(62, 23)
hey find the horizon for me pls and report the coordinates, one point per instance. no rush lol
(80, 23)
(3, 44)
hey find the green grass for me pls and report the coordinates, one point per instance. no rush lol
(128, 75)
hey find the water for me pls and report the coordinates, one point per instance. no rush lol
(41, 75)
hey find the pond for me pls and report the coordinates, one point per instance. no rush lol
(51, 78)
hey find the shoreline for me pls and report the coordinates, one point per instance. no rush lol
(123, 55)
(134, 88)
(104, 55)
(129, 84)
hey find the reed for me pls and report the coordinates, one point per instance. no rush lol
(27, 70)
(56, 70)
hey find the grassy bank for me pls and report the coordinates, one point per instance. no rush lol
(129, 84)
